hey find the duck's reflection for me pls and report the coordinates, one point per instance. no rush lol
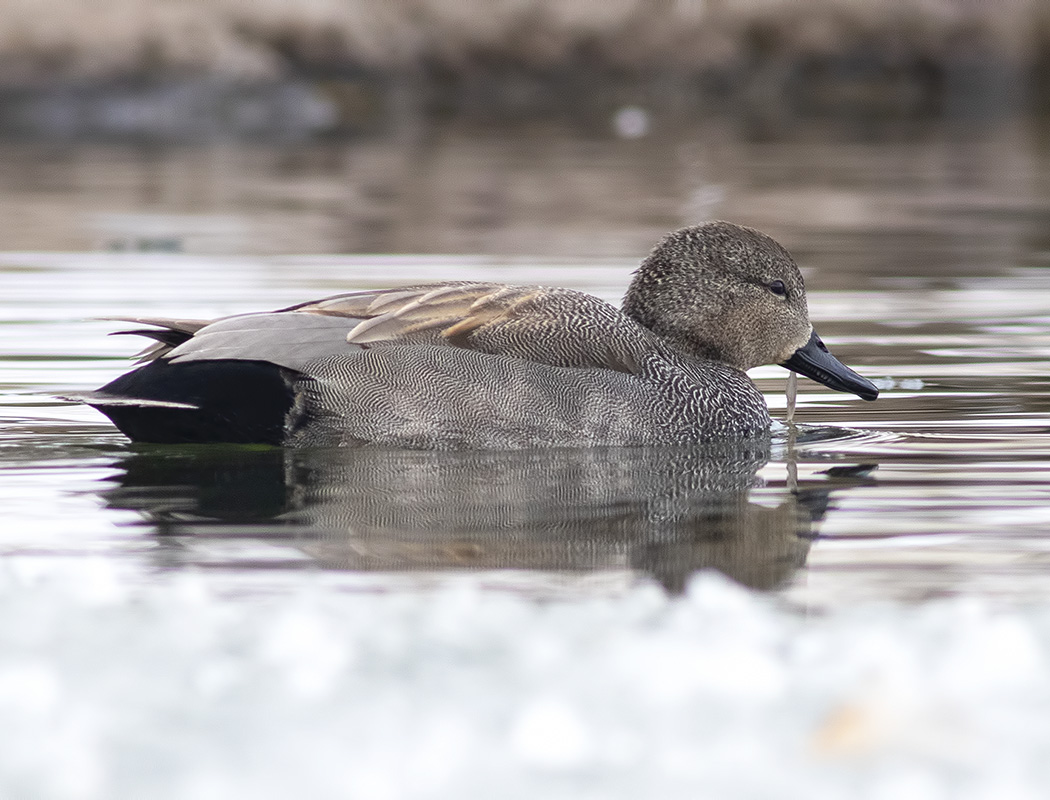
(664, 512)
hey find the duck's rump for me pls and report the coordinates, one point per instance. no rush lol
(239, 402)
(230, 380)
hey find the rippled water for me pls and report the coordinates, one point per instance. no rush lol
(236, 621)
(925, 252)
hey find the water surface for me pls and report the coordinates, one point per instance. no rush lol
(219, 621)
(925, 253)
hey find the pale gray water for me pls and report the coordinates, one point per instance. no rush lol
(222, 622)
(925, 252)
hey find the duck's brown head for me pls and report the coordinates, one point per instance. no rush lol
(731, 294)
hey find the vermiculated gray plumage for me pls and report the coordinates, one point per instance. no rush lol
(484, 365)
(434, 397)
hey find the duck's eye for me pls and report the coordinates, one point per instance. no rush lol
(778, 288)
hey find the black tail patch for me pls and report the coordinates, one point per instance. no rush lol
(166, 336)
(240, 402)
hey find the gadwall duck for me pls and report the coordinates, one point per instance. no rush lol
(485, 365)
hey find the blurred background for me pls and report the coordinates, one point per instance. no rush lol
(533, 127)
(233, 622)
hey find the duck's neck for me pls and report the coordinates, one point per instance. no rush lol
(686, 346)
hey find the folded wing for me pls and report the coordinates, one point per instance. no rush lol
(559, 327)
(552, 326)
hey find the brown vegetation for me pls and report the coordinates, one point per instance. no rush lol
(256, 38)
(508, 51)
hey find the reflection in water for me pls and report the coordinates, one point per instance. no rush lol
(856, 203)
(661, 512)
(926, 249)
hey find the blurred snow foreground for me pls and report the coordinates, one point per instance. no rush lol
(114, 689)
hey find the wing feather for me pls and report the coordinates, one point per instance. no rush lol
(167, 333)
(559, 327)
(552, 326)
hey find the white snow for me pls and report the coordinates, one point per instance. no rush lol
(112, 686)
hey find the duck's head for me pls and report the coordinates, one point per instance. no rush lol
(728, 293)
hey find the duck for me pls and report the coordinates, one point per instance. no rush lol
(481, 365)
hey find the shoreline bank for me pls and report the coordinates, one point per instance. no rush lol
(245, 68)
